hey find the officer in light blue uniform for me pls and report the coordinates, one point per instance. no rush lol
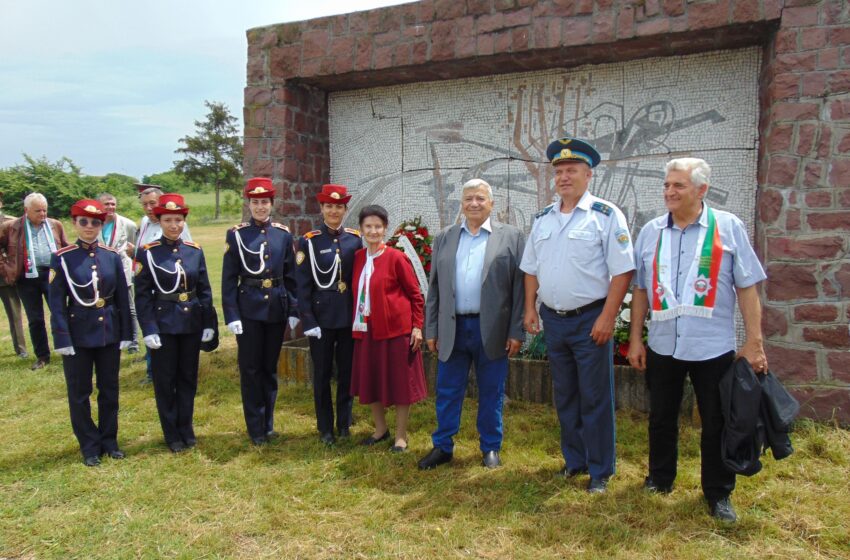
(90, 319)
(175, 310)
(578, 262)
(258, 297)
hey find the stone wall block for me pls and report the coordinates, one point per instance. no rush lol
(793, 365)
(708, 14)
(789, 282)
(829, 337)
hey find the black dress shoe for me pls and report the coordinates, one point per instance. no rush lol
(567, 472)
(327, 438)
(722, 510)
(40, 363)
(270, 435)
(191, 442)
(491, 459)
(116, 454)
(92, 461)
(649, 485)
(372, 440)
(259, 441)
(177, 446)
(344, 433)
(597, 486)
(434, 459)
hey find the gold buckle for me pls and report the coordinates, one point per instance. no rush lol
(267, 283)
(183, 297)
(100, 303)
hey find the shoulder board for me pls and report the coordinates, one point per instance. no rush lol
(191, 244)
(107, 247)
(152, 244)
(353, 231)
(240, 226)
(67, 249)
(544, 211)
(601, 207)
(280, 226)
(312, 234)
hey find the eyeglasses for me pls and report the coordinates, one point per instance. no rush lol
(86, 221)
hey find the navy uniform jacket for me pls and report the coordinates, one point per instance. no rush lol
(268, 296)
(106, 322)
(328, 308)
(170, 314)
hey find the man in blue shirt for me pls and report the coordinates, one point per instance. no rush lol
(691, 264)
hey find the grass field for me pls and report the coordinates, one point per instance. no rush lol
(298, 499)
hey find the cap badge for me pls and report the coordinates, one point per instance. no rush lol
(171, 205)
(335, 195)
(91, 209)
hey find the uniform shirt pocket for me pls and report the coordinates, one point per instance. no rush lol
(584, 244)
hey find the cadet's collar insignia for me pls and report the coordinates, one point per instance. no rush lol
(152, 244)
(280, 226)
(353, 231)
(67, 248)
(544, 211)
(601, 207)
(191, 244)
(51, 276)
(622, 237)
(312, 234)
(240, 226)
(138, 268)
(299, 257)
(91, 209)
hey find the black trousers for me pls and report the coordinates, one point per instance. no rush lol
(12, 305)
(335, 344)
(175, 382)
(259, 349)
(33, 294)
(665, 377)
(94, 439)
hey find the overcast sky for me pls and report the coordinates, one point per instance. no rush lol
(113, 84)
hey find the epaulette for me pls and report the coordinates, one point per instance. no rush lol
(353, 231)
(152, 244)
(67, 249)
(191, 244)
(544, 211)
(240, 226)
(312, 234)
(107, 247)
(280, 226)
(601, 207)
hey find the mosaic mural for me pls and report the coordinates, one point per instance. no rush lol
(411, 148)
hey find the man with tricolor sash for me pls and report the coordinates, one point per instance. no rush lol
(691, 264)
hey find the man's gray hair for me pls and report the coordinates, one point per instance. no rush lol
(106, 195)
(151, 190)
(34, 197)
(698, 168)
(479, 183)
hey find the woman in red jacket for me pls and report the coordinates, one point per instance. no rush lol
(388, 314)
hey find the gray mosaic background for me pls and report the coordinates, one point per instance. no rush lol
(411, 147)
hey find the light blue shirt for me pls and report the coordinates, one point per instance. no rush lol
(698, 338)
(469, 265)
(40, 245)
(574, 259)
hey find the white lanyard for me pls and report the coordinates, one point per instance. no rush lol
(240, 246)
(72, 286)
(178, 270)
(314, 267)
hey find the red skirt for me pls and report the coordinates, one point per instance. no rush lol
(387, 371)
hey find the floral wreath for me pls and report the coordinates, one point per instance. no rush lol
(419, 237)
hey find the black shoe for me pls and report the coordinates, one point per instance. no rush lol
(327, 438)
(398, 448)
(372, 440)
(177, 446)
(92, 461)
(653, 487)
(722, 510)
(270, 435)
(567, 472)
(191, 442)
(116, 454)
(434, 459)
(597, 486)
(40, 363)
(344, 433)
(491, 460)
(259, 441)
(23, 355)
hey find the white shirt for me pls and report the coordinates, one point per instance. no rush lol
(469, 265)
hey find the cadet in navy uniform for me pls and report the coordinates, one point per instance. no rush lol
(175, 310)
(90, 318)
(579, 262)
(325, 262)
(258, 295)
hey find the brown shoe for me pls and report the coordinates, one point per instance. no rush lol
(40, 363)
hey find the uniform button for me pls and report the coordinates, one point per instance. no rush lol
(179, 260)
(185, 309)
(262, 231)
(91, 254)
(100, 318)
(336, 240)
(266, 296)
(266, 257)
(174, 250)
(94, 267)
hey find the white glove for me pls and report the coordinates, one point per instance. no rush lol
(67, 351)
(125, 344)
(315, 331)
(153, 342)
(208, 335)
(293, 322)
(235, 327)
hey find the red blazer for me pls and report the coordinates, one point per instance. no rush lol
(397, 303)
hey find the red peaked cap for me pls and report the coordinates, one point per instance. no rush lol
(259, 187)
(334, 194)
(88, 208)
(171, 203)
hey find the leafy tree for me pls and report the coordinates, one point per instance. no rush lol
(171, 181)
(214, 154)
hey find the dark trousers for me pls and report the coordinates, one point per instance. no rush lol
(33, 293)
(583, 383)
(12, 304)
(175, 382)
(452, 378)
(94, 439)
(259, 349)
(665, 377)
(335, 344)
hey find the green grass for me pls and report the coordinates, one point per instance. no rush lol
(297, 499)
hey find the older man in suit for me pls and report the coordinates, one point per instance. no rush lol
(478, 256)
(12, 303)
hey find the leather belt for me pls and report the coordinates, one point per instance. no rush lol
(176, 296)
(101, 302)
(578, 310)
(259, 282)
